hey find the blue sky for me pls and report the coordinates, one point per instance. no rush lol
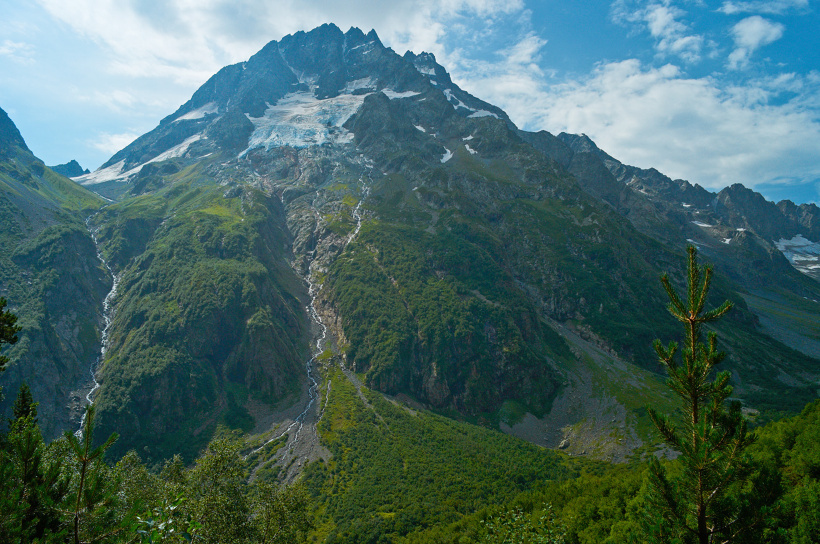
(713, 92)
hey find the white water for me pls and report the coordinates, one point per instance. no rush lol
(108, 315)
(357, 214)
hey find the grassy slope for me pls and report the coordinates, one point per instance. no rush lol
(604, 504)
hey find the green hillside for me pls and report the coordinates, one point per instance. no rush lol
(52, 279)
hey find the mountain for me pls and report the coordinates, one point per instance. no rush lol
(757, 243)
(330, 193)
(71, 169)
(52, 279)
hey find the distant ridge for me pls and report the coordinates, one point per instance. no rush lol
(70, 169)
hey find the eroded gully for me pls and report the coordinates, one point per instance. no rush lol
(108, 315)
(302, 442)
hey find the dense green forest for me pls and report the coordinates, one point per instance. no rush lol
(399, 474)
(365, 496)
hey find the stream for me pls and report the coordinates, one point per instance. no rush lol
(108, 315)
(293, 444)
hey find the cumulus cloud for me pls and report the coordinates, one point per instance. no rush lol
(771, 7)
(749, 35)
(685, 127)
(663, 21)
(188, 41)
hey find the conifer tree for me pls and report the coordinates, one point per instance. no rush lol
(31, 485)
(695, 505)
(92, 500)
(24, 405)
(8, 330)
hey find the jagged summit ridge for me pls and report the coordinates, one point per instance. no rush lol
(298, 91)
(309, 88)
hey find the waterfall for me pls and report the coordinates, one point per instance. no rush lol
(108, 315)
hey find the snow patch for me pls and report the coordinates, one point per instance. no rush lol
(425, 70)
(803, 254)
(208, 109)
(301, 120)
(392, 95)
(467, 138)
(727, 240)
(421, 128)
(363, 83)
(482, 113)
(685, 205)
(470, 149)
(447, 155)
(176, 151)
(702, 225)
(101, 175)
(453, 99)
(115, 172)
(361, 45)
(741, 229)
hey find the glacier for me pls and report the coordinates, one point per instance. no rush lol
(300, 120)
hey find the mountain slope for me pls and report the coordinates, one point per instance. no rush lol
(53, 280)
(757, 244)
(456, 260)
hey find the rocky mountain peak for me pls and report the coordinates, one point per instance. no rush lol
(298, 91)
(71, 169)
(9, 135)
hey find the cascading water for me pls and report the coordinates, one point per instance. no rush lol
(108, 315)
(316, 321)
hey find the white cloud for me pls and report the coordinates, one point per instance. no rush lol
(663, 21)
(20, 52)
(189, 40)
(749, 35)
(685, 127)
(772, 7)
(671, 34)
(111, 143)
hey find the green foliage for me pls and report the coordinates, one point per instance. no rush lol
(441, 305)
(24, 405)
(395, 472)
(516, 527)
(66, 492)
(281, 514)
(697, 505)
(92, 499)
(164, 523)
(33, 486)
(786, 457)
(8, 330)
(218, 494)
(206, 316)
(599, 506)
